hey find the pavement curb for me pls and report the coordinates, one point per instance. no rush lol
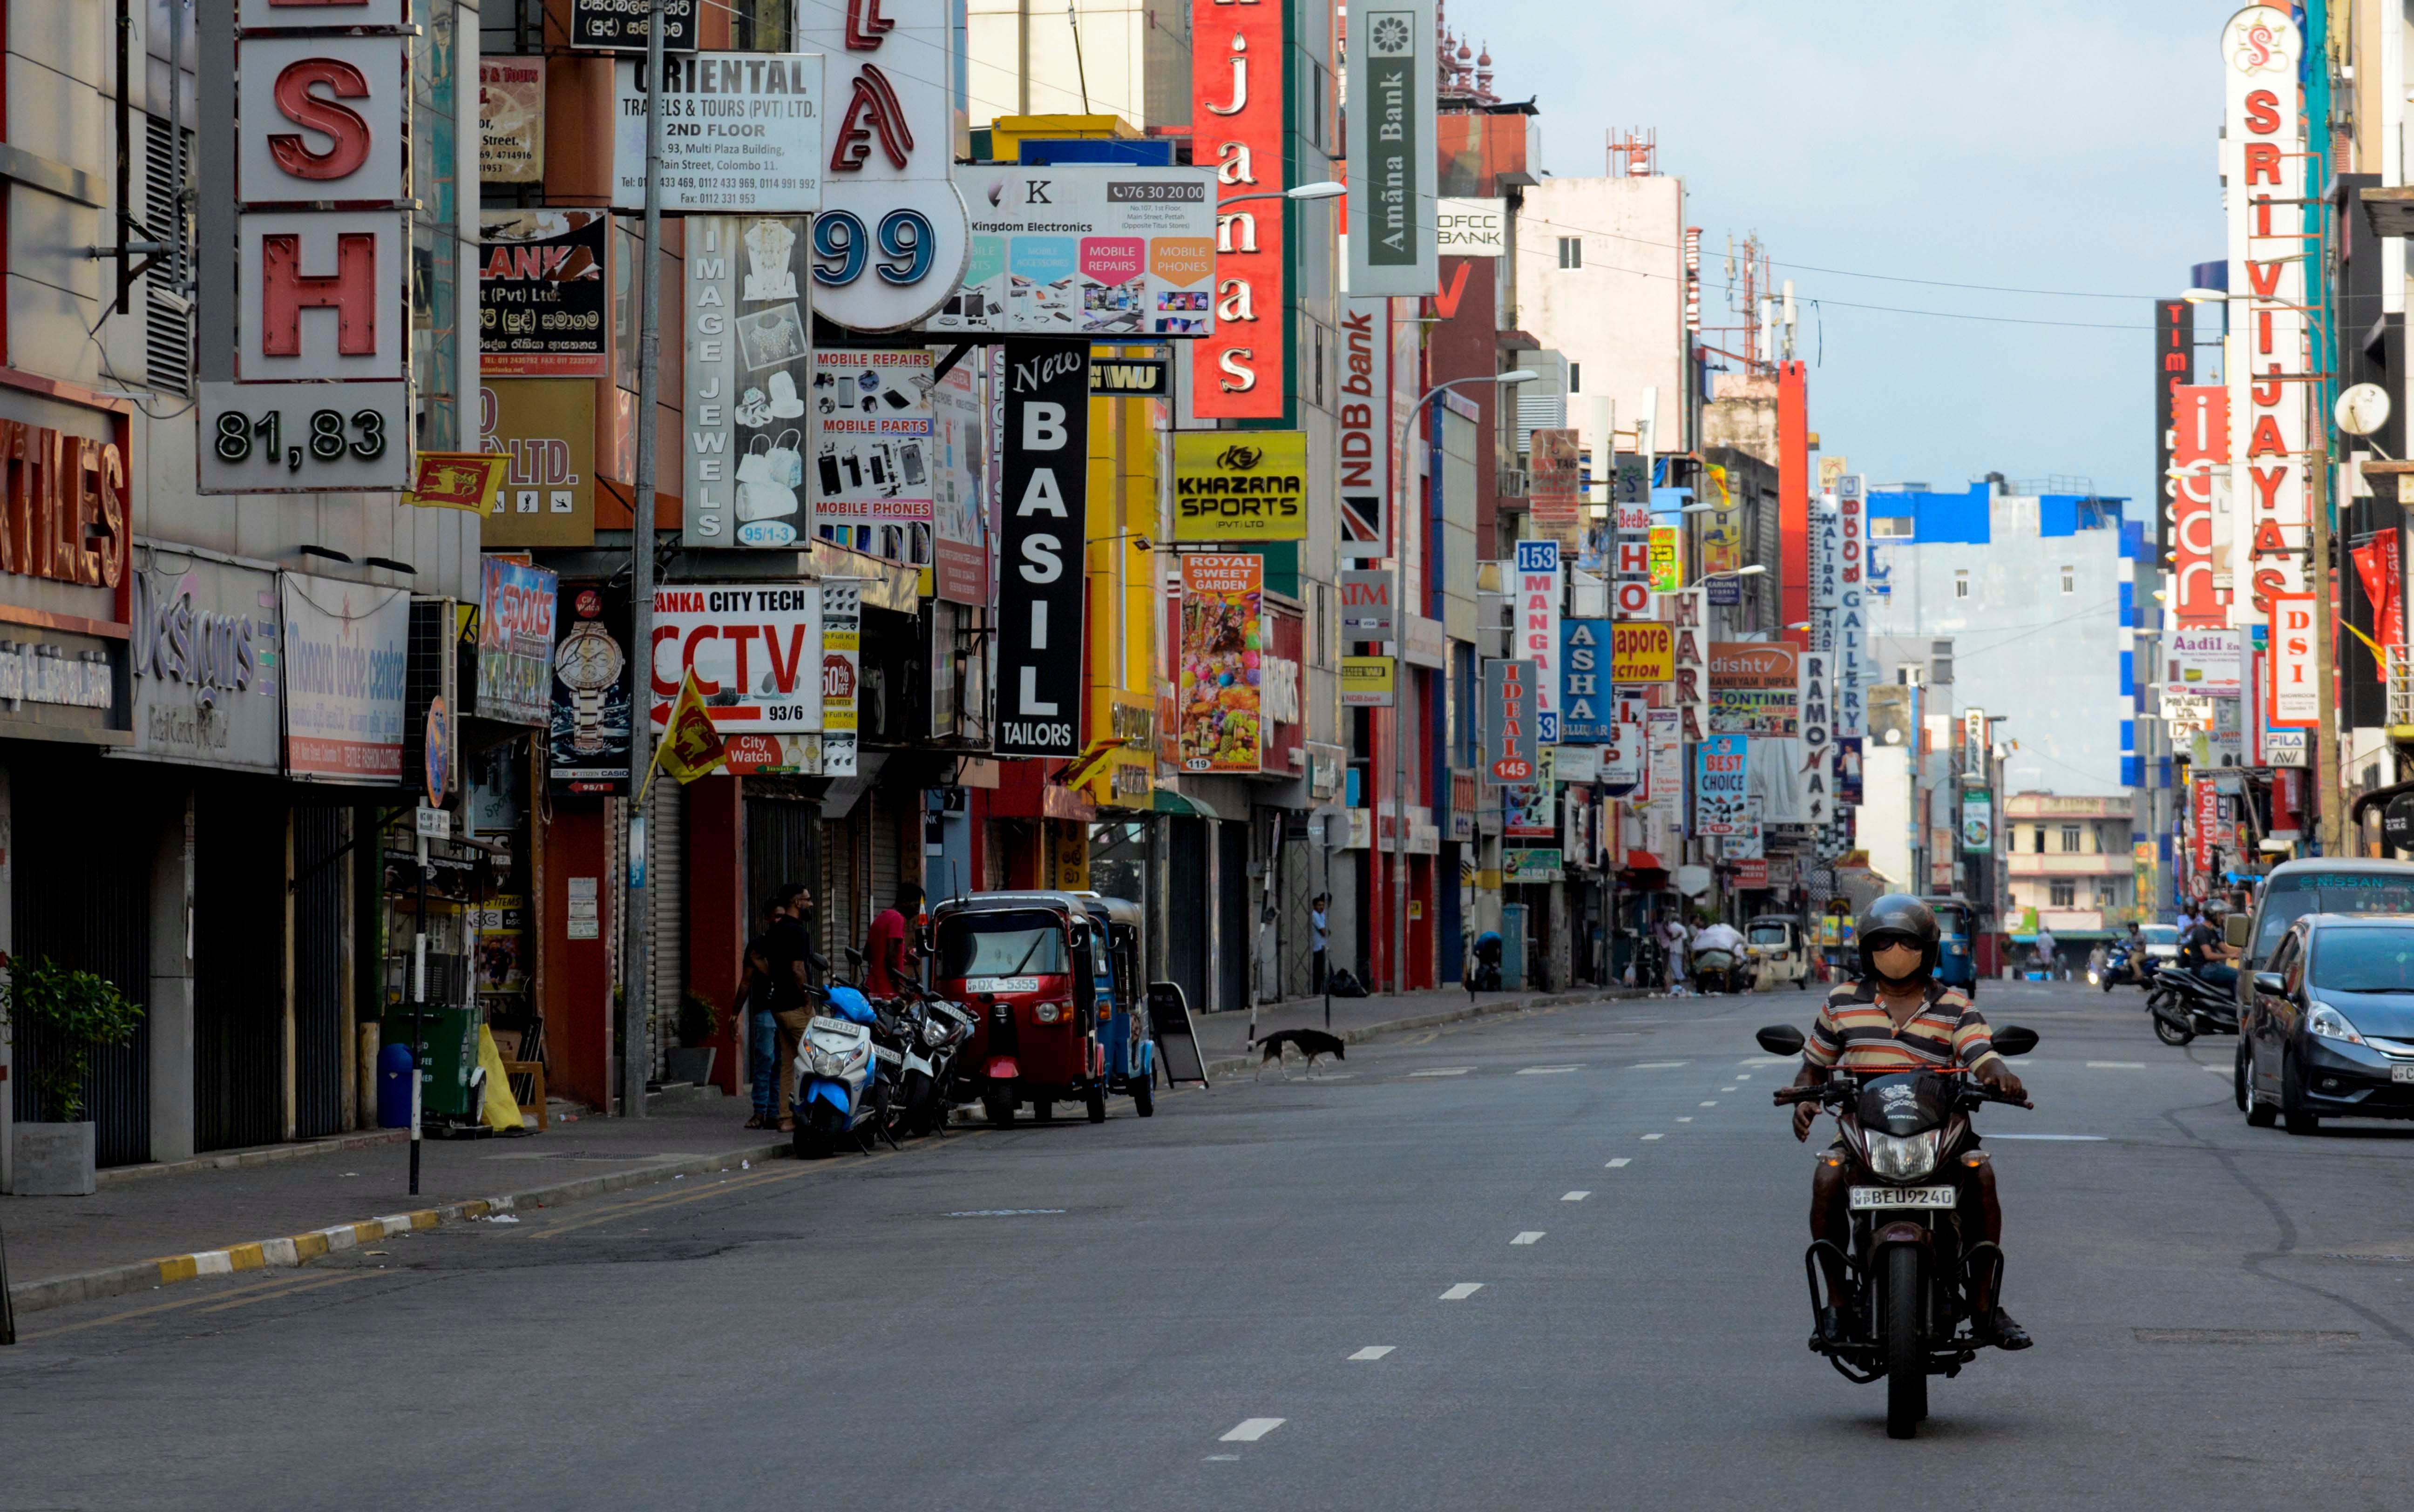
(1237, 1064)
(294, 1249)
(264, 1155)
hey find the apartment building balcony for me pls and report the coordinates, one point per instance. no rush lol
(2034, 863)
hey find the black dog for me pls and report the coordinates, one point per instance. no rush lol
(1311, 1041)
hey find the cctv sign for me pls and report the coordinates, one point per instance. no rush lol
(319, 395)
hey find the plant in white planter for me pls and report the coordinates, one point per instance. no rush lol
(698, 1024)
(78, 1014)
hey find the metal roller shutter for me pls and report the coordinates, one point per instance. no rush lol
(667, 895)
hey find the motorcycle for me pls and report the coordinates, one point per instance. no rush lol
(840, 1088)
(1714, 971)
(2114, 972)
(2185, 1005)
(1910, 1265)
(938, 1031)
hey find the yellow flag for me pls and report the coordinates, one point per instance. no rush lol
(691, 747)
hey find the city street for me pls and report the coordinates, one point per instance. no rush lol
(1548, 1260)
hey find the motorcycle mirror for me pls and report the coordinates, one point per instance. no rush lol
(2270, 982)
(2013, 1040)
(1781, 1038)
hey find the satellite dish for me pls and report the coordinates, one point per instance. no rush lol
(2363, 409)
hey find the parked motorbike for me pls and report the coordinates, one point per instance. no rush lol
(939, 1030)
(1715, 970)
(1912, 1265)
(841, 1091)
(2185, 1005)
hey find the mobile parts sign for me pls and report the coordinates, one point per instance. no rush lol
(1240, 485)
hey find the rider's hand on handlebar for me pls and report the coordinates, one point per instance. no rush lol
(1805, 1113)
(1998, 1076)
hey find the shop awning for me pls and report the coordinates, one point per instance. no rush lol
(1641, 861)
(1183, 805)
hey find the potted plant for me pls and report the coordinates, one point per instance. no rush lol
(698, 1025)
(77, 1015)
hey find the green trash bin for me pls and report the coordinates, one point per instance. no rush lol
(451, 1036)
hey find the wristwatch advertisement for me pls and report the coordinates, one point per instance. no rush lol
(591, 689)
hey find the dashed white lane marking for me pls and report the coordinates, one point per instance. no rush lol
(1252, 1429)
(1622, 1160)
(1547, 1071)
(2059, 1139)
(1443, 1070)
(1212, 1458)
(1648, 1138)
(1687, 1119)
(2222, 1071)
(1743, 1076)
(2116, 1065)
(1372, 1351)
(1726, 1088)
(1461, 1292)
(1576, 1197)
(1529, 1237)
(1766, 1060)
(1708, 1103)
(1658, 1065)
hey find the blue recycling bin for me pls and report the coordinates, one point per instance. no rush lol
(394, 1086)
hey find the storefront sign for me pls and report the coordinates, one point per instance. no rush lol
(1585, 712)
(1511, 751)
(1131, 377)
(2263, 162)
(2202, 507)
(1668, 558)
(892, 241)
(755, 649)
(1222, 661)
(747, 381)
(1239, 110)
(739, 131)
(516, 617)
(65, 473)
(1642, 651)
(1722, 805)
(1624, 755)
(2285, 747)
(320, 390)
(841, 675)
(2295, 701)
(1531, 866)
(872, 448)
(1240, 485)
(511, 120)
(1555, 484)
(1755, 689)
(623, 26)
(1364, 428)
(1043, 469)
(546, 426)
(1367, 604)
(1692, 674)
(1113, 252)
(345, 648)
(1977, 821)
(1391, 82)
(204, 660)
(1535, 637)
(1471, 229)
(1367, 682)
(542, 292)
(959, 471)
(2205, 661)
(589, 739)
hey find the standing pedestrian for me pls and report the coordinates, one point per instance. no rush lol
(885, 945)
(756, 1002)
(2045, 951)
(1320, 937)
(1676, 939)
(795, 972)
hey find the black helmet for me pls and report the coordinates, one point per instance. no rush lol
(1898, 914)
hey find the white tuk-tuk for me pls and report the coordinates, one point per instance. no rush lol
(1775, 945)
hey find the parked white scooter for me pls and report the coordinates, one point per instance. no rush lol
(838, 1084)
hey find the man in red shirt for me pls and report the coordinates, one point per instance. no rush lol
(886, 947)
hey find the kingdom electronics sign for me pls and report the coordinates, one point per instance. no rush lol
(1238, 110)
(317, 126)
(2263, 162)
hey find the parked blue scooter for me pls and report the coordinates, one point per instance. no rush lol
(839, 1087)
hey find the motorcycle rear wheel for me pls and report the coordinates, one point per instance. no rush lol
(2169, 1033)
(1906, 1356)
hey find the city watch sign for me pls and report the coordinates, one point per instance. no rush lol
(1240, 485)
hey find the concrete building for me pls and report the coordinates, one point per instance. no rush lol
(2071, 862)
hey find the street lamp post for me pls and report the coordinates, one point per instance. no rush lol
(1399, 680)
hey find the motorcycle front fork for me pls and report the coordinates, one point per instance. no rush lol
(1834, 1280)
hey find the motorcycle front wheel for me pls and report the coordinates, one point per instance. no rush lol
(1906, 1356)
(2170, 1033)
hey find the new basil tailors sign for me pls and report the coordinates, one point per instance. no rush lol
(1043, 492)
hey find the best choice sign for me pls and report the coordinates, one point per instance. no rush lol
(1240, 485)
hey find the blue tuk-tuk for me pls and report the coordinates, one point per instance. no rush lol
(1957, 960)
(1122, 998)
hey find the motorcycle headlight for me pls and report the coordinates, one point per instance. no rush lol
(1903, 1157)
(2331, 1024)
(933, 1034)
(1048, 1013)
(828, 1063)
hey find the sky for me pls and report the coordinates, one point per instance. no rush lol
(2046, 146)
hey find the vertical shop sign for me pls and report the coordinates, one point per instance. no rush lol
(1584, 703)
(1365, 428)
(2263, 162)
(959, 460)
(511, 120)
(872, 446)
(1664, 809)
(1239, 111)
(589, 737)
(1223, 662)
(1536, 638)
(1818, 783)
(2201, 495)
(1555, 481)
(1391, 79)
(841, 673)
(1690, 635)
(1510, 748)
(744, 432)
(2174, 367)
(1624, 756)
(1721, 803)
(515, 615)
(2295, 690)
(1043, 472)
(540, 294)
(1851, 619)
(891, 240)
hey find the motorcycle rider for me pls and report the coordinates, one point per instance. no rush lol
(2203, 951)
(1898, 1018)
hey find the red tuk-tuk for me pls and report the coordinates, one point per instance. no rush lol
(1027, 966)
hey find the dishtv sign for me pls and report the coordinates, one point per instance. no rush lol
(1237, 109)
(317, 126)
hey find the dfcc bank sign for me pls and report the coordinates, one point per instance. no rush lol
(320, 393)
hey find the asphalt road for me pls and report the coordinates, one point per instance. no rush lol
(1546, 1261)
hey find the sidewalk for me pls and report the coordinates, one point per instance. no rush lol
(289, 1204)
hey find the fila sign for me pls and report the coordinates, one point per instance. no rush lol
(321, 143)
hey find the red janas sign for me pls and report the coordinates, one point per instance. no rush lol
(1236, 122)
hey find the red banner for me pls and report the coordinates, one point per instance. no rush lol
(2377, 564)
(1236, 103)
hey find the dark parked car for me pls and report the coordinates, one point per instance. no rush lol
(2328, 1029)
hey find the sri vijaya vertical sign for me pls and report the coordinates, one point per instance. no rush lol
(2263, 158)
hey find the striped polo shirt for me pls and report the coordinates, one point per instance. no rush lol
(1856, 1033)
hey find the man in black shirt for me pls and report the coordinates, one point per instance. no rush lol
(792, 967)
(2203, 950)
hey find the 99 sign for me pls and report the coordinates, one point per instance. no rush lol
(840, 251)
(238, 433)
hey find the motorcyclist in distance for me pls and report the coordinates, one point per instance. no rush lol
(1900, 1018)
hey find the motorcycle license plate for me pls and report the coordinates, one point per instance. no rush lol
(830, 1026)
(2401, 1074)
(1868, 1197)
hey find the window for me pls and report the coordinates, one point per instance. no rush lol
(1571, 251)
(167, 314)
(1575, 377)
(2040, 832)
(2107, 894)
(1961, 584)
(2069, 579)
(758, 25)
(2070, 840)
(2066, 894)
(1891, 527)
